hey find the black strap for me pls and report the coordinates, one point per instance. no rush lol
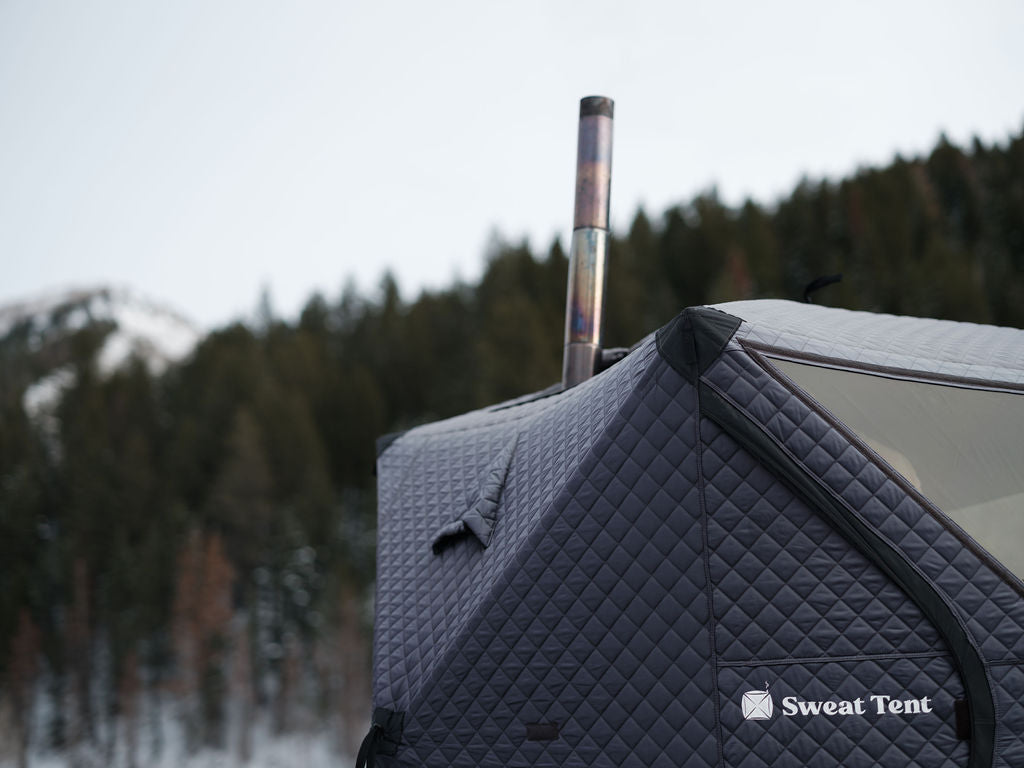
(384, 737)
(368, 749)
(962, 712)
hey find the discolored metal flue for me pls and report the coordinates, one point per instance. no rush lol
(588, 254)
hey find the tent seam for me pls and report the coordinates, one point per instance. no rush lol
(835, 659)
(709, 589)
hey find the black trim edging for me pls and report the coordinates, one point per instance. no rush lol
(384, 441)
(695, 338)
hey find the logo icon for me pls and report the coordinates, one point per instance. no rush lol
(757, 705)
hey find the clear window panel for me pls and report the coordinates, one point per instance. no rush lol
(963, 448)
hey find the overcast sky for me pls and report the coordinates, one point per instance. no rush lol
(198, 150)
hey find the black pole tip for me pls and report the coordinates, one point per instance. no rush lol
(597, 105)
(818, 283)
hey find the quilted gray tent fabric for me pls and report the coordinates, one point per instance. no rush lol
(618, 575)
(431, 476)
(943, 347)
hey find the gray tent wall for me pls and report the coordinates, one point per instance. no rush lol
(655, 568)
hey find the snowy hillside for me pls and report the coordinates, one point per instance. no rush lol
(155, 333)
(134, 327)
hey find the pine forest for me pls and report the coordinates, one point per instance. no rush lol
(188, 556)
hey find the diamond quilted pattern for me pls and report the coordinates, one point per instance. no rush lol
(430, 474)
(1009, 683)
(603, 613)
(786, 584)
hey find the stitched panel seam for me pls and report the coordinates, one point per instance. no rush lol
(709, 587)
(835, 659)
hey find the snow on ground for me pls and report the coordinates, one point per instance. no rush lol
(297, 750)
(159, 736)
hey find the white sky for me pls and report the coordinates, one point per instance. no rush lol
(198, 150)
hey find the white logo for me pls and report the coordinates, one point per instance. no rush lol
(757, 705)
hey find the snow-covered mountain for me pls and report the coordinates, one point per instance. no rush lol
(133, 326)
(141, 327)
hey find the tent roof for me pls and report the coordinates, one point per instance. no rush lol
(937, 347)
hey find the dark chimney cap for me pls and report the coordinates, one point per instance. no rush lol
(597, 105)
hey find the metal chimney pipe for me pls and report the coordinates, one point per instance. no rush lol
(588, 255)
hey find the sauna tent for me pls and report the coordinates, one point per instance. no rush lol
(774, 534)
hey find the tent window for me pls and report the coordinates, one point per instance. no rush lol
(962, 448)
